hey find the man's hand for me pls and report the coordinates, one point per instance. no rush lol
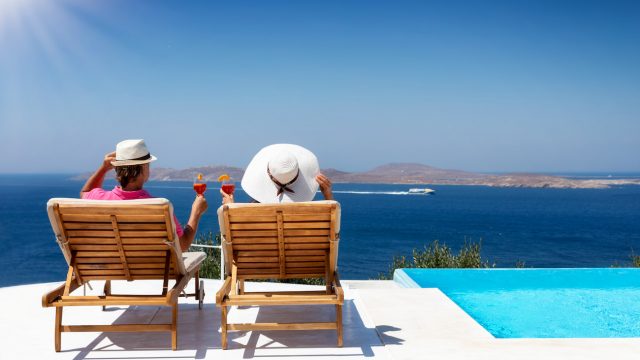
(96, 180)
(325, 186)
(198, 208)
(106, 164)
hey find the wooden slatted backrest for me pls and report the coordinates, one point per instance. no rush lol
(117, 240)
(281, 241)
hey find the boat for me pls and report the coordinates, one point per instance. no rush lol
(422, 191)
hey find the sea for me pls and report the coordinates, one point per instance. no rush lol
(535, 227)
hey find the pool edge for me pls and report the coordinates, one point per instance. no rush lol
(403, 279)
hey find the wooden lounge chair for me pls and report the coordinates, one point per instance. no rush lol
(280, 241)
(120, 240)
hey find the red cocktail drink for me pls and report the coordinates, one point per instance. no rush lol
(200, 188)
(228, 188)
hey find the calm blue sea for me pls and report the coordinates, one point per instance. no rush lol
(542, 227)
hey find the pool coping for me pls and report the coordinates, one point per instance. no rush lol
(404, 280)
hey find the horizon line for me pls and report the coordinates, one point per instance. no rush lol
(553, 172)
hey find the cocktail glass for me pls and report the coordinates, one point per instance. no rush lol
(227, 184)
(199, 185)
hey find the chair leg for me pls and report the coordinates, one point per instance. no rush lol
(241, 287)
(223, 319)
(198, 285)
(107, 291)
(58, 326)
(174, 327)
(339, 324)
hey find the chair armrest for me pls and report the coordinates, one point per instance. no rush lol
(172, 295)
(51, 296)
(224, 291)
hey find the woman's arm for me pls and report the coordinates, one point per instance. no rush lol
(96, 180)
(325, 186)
(226, 198)
(197, 209)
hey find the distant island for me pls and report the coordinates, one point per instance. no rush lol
(406, 173)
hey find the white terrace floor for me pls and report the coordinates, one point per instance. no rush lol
(380, 319)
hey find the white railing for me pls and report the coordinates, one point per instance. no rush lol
(221, 256)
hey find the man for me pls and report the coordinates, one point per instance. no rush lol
(131, 162)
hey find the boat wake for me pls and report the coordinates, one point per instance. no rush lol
(375, 192)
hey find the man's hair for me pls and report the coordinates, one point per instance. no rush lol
(127, 174)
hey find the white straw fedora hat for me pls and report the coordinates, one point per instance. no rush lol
(132, 152)
(282, 173)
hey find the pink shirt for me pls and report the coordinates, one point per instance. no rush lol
(118, 194)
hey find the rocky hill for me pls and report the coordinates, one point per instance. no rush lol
(407, 173)
(210, 173)
(403, 173)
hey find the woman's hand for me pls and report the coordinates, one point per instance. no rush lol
(325, 186)
(226, 198)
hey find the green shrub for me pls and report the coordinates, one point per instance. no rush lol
(635, 259)
(436, 255)
(210, 267)
(304, 281)
(521, 264)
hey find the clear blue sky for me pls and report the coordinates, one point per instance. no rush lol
(475, 85)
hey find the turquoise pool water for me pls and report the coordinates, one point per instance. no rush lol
(541, 303)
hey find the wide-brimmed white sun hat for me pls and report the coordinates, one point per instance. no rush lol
(282, 173)
(132, 152)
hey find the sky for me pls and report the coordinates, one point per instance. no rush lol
(490, 86)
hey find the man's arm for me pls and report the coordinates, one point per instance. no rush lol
(197, 209)
(96, 180)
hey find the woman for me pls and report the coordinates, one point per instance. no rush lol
(131, 161)
(283, 173)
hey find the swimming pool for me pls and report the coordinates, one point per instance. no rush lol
(541, 303)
